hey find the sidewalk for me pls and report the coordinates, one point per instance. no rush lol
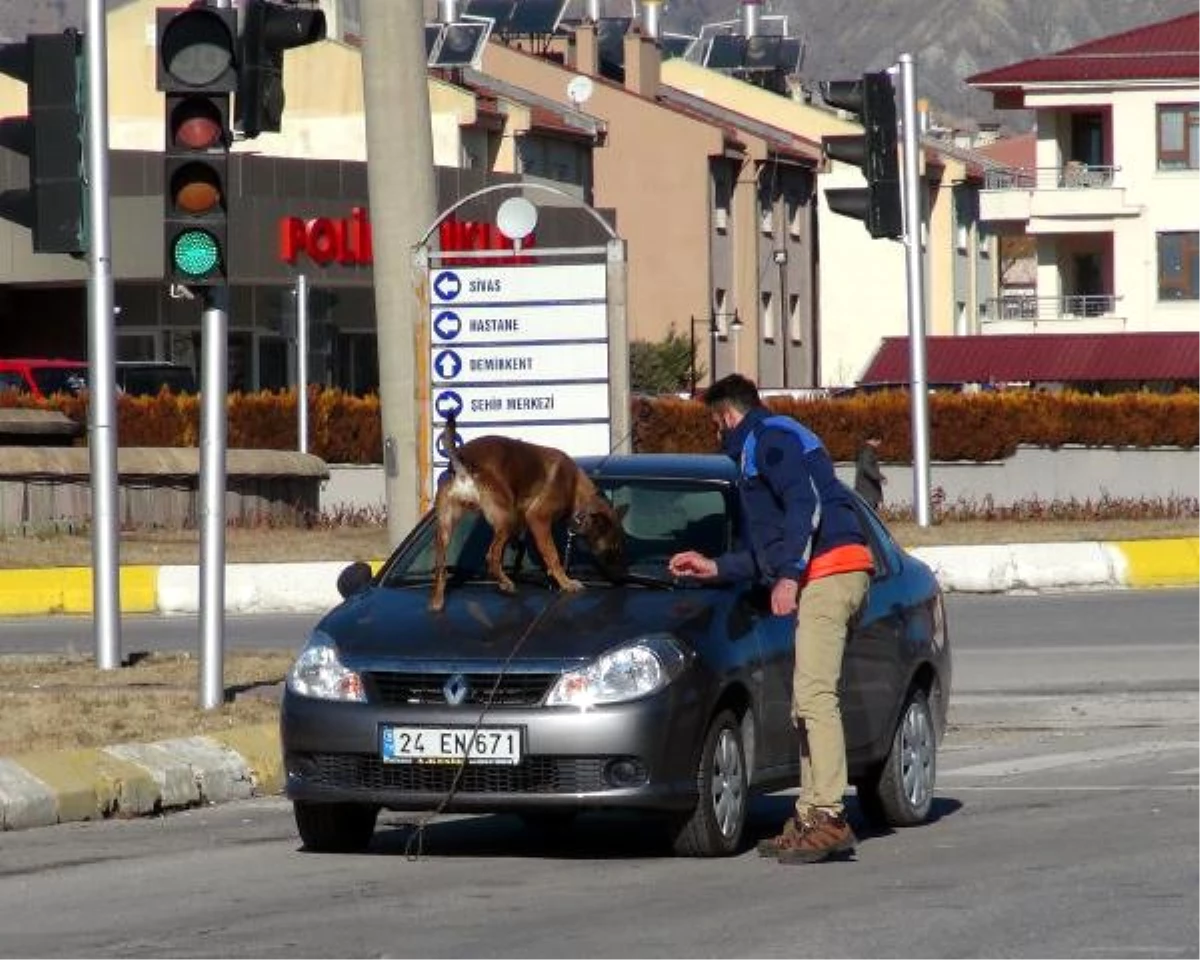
(127, 780)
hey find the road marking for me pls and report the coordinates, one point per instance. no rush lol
(1074, 788)
(1019, 765)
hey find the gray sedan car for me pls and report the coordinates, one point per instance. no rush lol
(649, 694)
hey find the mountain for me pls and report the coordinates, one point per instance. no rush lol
(949, 39)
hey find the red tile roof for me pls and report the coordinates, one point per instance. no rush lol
(1037, 357)
(1016, 153)
(1159, 51)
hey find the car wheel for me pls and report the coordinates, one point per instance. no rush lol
(714, 828)
(900, 793)
(335, 827)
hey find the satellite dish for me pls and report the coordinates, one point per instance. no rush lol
(580, 89)
(516, 218)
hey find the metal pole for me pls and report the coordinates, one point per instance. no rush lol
(302, 359)
(102, 341)
(712, 349)
(214, 363)
(403, 194)
(619, 428)
(692, 337)
(785, 316)
(913, 222)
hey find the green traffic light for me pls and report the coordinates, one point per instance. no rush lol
(195, 253)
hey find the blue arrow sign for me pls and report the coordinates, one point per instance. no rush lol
(448, 404)
(441, 444)
(447, 325)
(447, 285)
(448, 364)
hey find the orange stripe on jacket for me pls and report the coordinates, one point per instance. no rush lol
(849, 558)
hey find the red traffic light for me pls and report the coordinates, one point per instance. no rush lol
(197, 124)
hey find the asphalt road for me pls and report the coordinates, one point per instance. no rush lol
(1066, 826)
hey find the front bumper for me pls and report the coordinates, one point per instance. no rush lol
(639, 755)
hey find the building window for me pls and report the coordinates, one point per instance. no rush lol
(1179, 266)
(767, 317)
(1178, 136)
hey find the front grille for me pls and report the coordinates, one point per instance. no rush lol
(532, 775)
(513, 690)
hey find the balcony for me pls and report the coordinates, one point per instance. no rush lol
(1055, 199)
(1073, 313)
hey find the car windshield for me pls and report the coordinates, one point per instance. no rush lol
(661, 517)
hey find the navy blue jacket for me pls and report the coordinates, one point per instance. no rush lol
(793, 505)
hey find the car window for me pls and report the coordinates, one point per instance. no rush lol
(52, 380)
(149, 381)
(11, 380)
(661, 518)
(882, 546)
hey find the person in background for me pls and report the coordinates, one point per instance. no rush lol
(868, 478)
(801, 536)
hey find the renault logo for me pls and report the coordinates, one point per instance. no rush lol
(456, 689)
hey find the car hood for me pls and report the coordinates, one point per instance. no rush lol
(480, 624)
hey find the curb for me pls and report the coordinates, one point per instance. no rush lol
(134, 780)
(312, 587)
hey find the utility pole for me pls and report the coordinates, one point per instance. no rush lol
(102, 349)
(403, 197)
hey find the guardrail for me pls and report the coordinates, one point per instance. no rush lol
(1071, 176)
(1070, 307)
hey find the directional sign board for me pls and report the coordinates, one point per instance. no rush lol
(521, 352)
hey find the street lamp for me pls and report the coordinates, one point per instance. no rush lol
(785, 315)
(714, 328)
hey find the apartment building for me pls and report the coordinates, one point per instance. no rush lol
(1108, 194)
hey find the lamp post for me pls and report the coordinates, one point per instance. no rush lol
(735, 324)
(785, 315)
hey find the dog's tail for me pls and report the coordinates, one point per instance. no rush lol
(449, 443)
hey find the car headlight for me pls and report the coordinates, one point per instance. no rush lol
(319, 673)
(632, 670)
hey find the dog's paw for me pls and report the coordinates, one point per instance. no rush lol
(506, 586)
(572, 586)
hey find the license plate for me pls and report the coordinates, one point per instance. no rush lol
(494, 746)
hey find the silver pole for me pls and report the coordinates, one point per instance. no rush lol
(619, 429)
(913, 223)
(102, 349)
(302, 359)
(215, 322)
(214, 360)
(403, 194)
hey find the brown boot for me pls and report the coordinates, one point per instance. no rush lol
(824, 835)
(772, 846)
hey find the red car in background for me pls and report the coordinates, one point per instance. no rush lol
(43, 378)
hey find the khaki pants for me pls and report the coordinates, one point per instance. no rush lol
(826, 608)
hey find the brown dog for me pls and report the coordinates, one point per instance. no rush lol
(518, 485)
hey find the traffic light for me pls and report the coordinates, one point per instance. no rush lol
(873, 100)
(269, 30)
(197, 70)
(51, 136)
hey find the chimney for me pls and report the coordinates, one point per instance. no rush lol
(652, 18)
(593, 10)
(643, 64)
(751, 12)
(583, 49)
(448, 11)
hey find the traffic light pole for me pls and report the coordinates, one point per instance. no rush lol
(102, 377)
(213, 362)
(400, 176)
(913, 222)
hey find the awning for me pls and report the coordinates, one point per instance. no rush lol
(1041, 358)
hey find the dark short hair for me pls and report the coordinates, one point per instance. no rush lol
(733, 391)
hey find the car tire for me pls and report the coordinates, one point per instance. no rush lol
(900, 792)
(714, 828)
(335, 827)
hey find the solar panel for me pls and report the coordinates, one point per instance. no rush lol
(726, 53)
(533, 17)
(610, 39)
(500, 11)
(675, 44)
(461, 45)
(432, 32)
(762, 53)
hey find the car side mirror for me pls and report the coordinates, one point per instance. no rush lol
(354, 579)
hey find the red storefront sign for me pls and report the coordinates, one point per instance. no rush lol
(347, 242)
